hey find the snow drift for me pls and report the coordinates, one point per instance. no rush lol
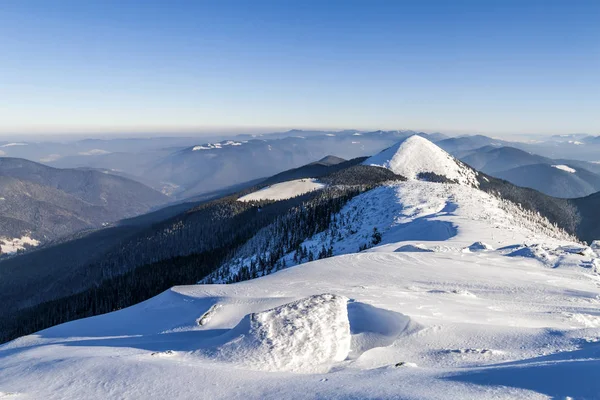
(304, 336)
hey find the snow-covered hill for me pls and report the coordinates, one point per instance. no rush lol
(284, 190)
(379, 324)
(447, 217)
(417, 155)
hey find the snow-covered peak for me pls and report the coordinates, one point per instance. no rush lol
(219, 145)
(417, 155)
(94, 152)
(13, 144)
(565, 168)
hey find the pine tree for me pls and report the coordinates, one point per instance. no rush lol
(376, 237)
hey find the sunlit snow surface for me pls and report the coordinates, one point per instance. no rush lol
(12, 245)
(418, 155)
(444, 308)
(212, 146)
(565, 168)
(284, 190)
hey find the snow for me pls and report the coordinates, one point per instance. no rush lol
(301, 336)
(94, 152)
(12, 245)
(565, 168)
(13, 144)
(51, 158)
(389, 322)
(284, 190)
(220, 145)
(412, 212)
(417, 155)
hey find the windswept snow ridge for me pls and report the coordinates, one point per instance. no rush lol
(417, 155)
(284, 190)
(448, 217)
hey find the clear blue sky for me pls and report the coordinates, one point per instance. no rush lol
(473, 66)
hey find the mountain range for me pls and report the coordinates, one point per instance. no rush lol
(555, 177)
(339, 279)
(200, 232)
(184, 167)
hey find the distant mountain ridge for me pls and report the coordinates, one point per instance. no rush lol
(46, 203)
(555, 180)
(206, 166)
(544, 174)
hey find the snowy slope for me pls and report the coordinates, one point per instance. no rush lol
(12, 245)
(462, 295)
(380, 324)
(444, 216)
(284, 190)
(417, 155)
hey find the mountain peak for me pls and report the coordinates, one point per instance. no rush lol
(417, 155)
(329, 160)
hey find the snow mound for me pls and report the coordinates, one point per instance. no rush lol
(417, 155)
(478, 246)
(284, 190)
(565, 168)
(414, 248)
(304, 336)
(534, 251)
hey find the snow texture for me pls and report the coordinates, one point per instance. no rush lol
(300, 336)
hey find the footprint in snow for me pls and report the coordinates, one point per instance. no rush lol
(461, 292)
(472, 351)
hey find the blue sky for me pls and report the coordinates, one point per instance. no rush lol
(169, 66)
